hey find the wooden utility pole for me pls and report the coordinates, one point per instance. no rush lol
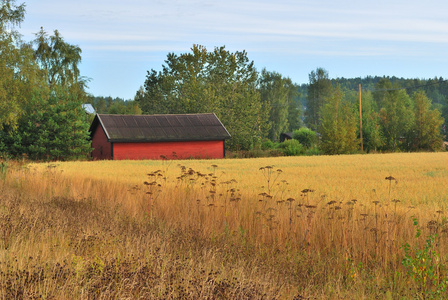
(360, 118)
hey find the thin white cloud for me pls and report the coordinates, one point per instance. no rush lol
(287, 30)
(150, 20)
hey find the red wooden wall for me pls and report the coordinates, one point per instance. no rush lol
(187, 149)
(101, 147)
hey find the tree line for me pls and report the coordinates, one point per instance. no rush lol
(42, 93)
(396, 115)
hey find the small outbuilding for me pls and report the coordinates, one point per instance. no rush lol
(89, 108)
(285, 136)
(158, 136)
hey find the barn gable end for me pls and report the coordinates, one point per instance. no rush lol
(156, 136)
(102, 148)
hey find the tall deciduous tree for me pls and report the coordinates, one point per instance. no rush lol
(280, 94)
(428, 122)
(338, 127)
(179, 87)
(295, 113)
(381, 91)
(445, 117)
(58, 58)
(396, 116)
(201, 81)
(371, 129)
(19, 75)
(319, 88)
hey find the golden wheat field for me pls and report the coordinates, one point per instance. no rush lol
(324, 227)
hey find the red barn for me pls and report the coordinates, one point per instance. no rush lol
(155, 136)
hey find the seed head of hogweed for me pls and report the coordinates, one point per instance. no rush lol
(432, 223)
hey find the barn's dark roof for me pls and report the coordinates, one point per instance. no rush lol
(159, 128)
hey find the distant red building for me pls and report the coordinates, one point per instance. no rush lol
(157, 136)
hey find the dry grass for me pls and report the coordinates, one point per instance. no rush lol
(58, 247)
(320, 227)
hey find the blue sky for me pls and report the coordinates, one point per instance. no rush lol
(122, 40)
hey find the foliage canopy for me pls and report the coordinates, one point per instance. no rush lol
(41, 93)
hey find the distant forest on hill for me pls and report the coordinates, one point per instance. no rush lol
(436, 89)
(43, 96)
